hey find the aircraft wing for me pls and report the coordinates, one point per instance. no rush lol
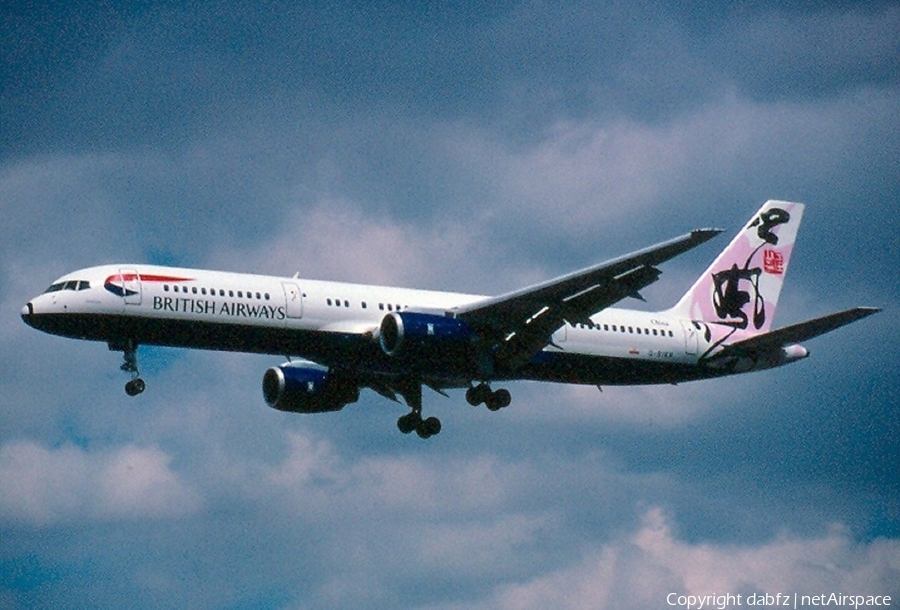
(794, 333)
(523, 321)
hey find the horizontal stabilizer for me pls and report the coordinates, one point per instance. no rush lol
(795, 333)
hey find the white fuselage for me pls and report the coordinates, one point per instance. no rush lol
(241, 312)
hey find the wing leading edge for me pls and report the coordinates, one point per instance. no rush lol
(523, 321)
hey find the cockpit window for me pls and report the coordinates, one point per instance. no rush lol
(69, 285)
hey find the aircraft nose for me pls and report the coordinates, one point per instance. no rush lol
(28, 314)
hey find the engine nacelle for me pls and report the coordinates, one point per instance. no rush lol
(306, 389)
(409, 331)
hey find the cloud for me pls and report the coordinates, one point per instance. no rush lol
(339, 240)
(792, 54)
(47, 486)
(475, 149)
(314, 475)
(641, 570)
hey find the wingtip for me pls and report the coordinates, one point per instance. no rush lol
(867, 311)
(706, 233)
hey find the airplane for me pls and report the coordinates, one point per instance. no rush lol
(339, 338)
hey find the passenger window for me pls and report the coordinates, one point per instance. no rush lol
(203, 291)
(364, 305)
(240, 294)
(390, 307)
(346, 303)
(194, 290)
(631, 330)
(328, 301)
(654, 332)
(258, 297)
(221, 293)
(638, 330)
(267, 296)
(165, 288)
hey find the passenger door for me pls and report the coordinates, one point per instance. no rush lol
(691, 337)
(293, 300)
(131, 286)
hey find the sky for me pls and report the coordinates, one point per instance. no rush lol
(472, 147)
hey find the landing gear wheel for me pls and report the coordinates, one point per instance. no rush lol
(135, 386)
(429, 427)
(408, 423)
(478, 394)
(434, 425)
(499, 399)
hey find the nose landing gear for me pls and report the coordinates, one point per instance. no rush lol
(136, 385)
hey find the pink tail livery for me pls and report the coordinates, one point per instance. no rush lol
(741, 287)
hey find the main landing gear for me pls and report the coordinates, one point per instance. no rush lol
(425, 428)
(136, 385)
(492, 399)
(428, 427)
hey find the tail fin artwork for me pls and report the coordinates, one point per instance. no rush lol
(740, 289)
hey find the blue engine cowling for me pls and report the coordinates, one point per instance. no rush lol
(307, 389)
(402, 332)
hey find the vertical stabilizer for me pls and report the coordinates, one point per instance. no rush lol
(740, 289)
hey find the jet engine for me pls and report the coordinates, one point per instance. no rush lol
(405, 332)
(307, 389)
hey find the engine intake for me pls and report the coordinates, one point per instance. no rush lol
(307, 389)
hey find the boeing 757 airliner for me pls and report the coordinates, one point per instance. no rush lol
(345, 337)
